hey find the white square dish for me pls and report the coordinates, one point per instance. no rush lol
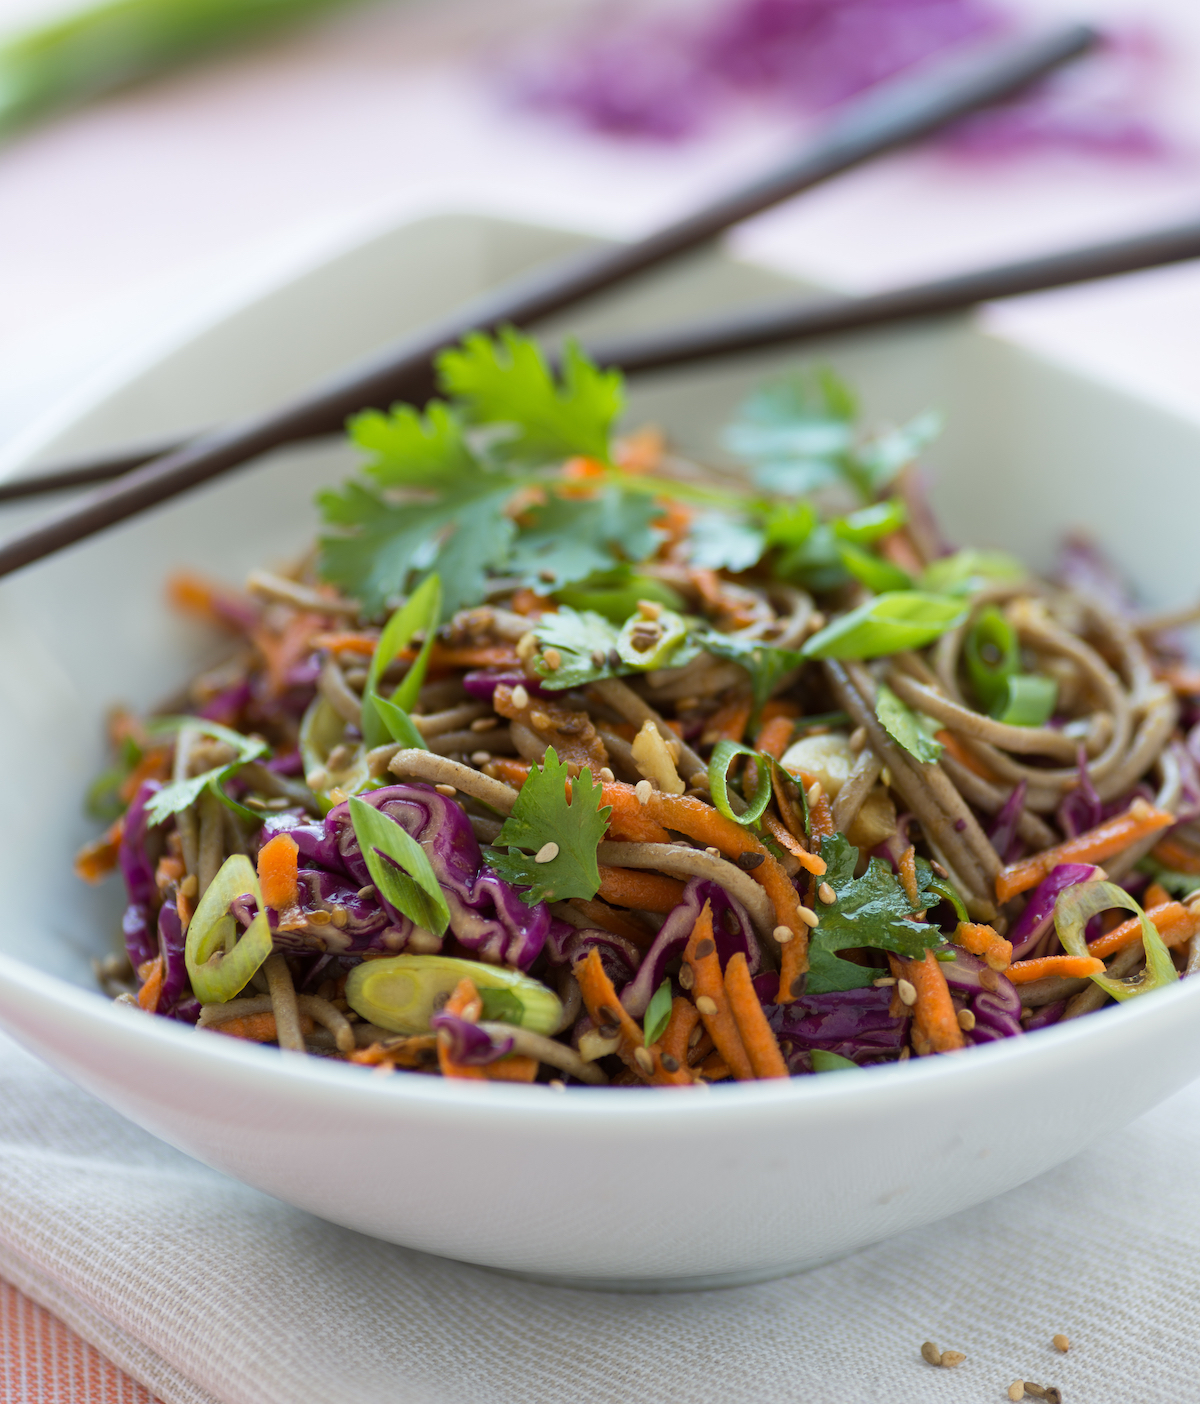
(597, 1188)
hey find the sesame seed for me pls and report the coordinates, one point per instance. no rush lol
(749, 861)
(448, 790)
(1016, 1390)
(340, 916)
(480, 757)
(319, 918)
(608, 1030)
(713, 852)
(808, 916)
(686, 978)
(1060, 1342)
(483, 723)
(606, 775)
(931, 1353)
(705, 948)
(826, 894)
(696, 1034)
(783, 934)
(989, 980)
(1053, 1395)
(190, 886)
(255, 802)
(552, 659)
(317, 779)
(1037, 1390)
(614, 658)
(556, 1085)
(520, 698)
(907, 992)
(941, 872)
(813, 793)
(884, 982)
(598, 658)
(641, 1056)
(816, 620)
(526, 646)
(649, 609)
(547, 853)
(951, 1358)
(966, 1020)
(905, 1054)
(643, 789)
(706, 1006)
(670, 1062)
(548, 576)
(858, 739)
(365, 892)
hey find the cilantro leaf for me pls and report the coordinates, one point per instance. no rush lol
(409, 450)
(586, 644)
(658, 1014)
(765, 663)
(184, 793)
(869, 911)
(719, 541)
(882, 458)
(796, 433)
(506, 380)
(907, 728)
(543, 815)
(572, 538)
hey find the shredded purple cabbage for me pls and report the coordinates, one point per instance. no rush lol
(1045, 1016)
(1003, 832)
(567, 944)
(136, 866)
(170, 946)
(135, 927)
(997, 1012)
(732, 933)
(855, 1024)
(1082, 566)
(1035, 921)
(1081, 808)
(468, 1043)
(483, 683)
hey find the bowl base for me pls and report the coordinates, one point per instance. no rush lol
(702, 1282)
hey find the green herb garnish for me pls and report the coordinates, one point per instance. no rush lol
(889, 623)
(658, 1014)
(399, 867)
(182, 794)
(907, 728)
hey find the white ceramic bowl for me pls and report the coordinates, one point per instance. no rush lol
(613, 1187)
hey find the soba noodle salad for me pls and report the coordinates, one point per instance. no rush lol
(561, 758)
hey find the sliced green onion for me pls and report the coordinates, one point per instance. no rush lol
(889, 623)
(873, 571)
(970, 570)
(407, 881)
(824, 1061)
(872, 523)
(649, 643)
(1030, 700)
(992, 657)
(501, 1006)
(948, 893)
(219, 964)
(420, 612)
(658, 1013)
(400, 993)
(1075, 908)
(723, 754)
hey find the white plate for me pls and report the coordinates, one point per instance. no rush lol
(607, 1187)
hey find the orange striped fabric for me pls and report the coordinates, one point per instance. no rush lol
(42, 1361)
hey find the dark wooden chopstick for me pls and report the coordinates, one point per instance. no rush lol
(801, 319)
(895, 115)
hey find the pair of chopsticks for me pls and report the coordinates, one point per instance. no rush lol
(893, 116)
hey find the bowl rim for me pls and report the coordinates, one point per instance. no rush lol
(177, 1044)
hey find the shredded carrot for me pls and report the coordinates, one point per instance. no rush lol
(700, 956)
(619, 923)
(283, 649)
(714, 1068)
(512, 772)
(934, 1019)
(775, 735)
(1155, 895)
(465, 1002)
(758, 1038)
(728, 722)
(703, 823)
(185, 906)
(908, 876)
(1020, 972)
(810, 862)
(1174, 922)
(170, 869)
(216, 603)
(793, 819)
(646, 891)
(674, 524)
(415, 1052)
(278, 864)
(516, 1067)
(982, 941)
(1113, 836)
(642, 450)
(97, 859)
(343, 641)
(259, 1028)
(820, 811)
(606, 1010)
(703, 1047)
(678, 1033)
(630, 819)
(1171, 853)
(151, 974)
(443, 658)
(531, 604)
(965, 757)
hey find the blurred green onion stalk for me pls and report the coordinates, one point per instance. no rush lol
(106, 46)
